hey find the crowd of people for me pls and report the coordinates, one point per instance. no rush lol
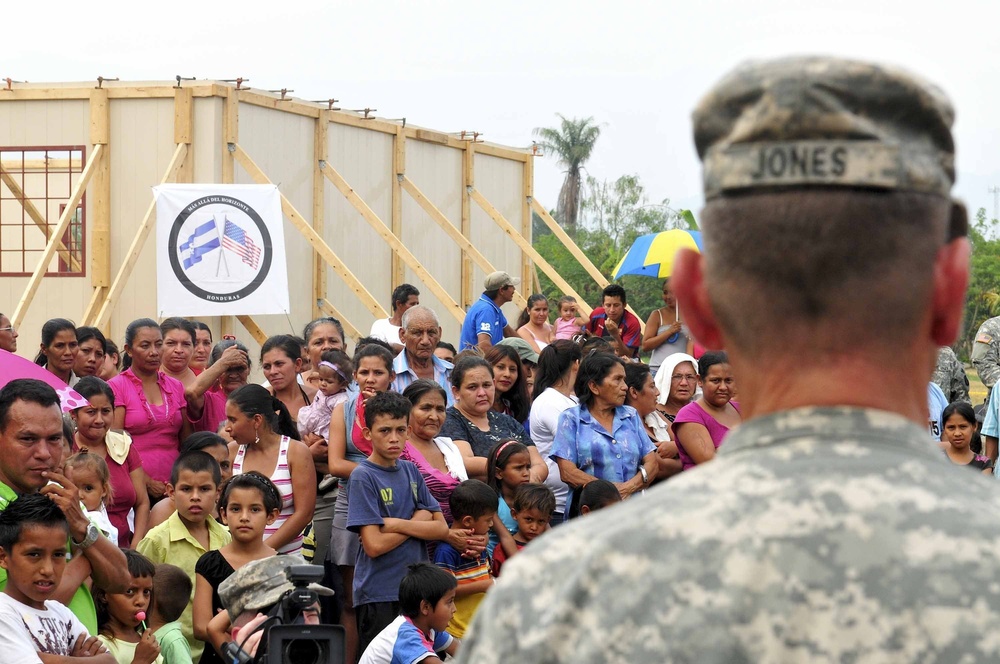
(408, 449)
(179, 460)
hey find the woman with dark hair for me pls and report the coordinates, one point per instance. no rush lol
(665, 332)
(348, 447)
(472, 419)
(58, 349)
(533, 325)
(128, 480)
(701, 426)
(555, 376)
(228, 370)
(265, 440)
(202, 347)
(511, 389)
(439, 459)
(959, 432)
(281, 361)
(150, 405)
(321, 335)
(642, 394)
(112, 361)
(91, 349)
(602, 438)
(178, 346)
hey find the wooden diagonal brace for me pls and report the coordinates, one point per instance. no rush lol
(125, 271)
(394, 242)
(330, 310)
(318, 244)
(454, 232)
(526, 247)
(577, 253)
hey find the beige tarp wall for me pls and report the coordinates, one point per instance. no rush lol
(141, 124)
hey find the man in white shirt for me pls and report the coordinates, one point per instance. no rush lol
(387, 329)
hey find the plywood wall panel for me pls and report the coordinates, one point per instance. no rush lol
(437, 172)
(500, 181)
(142, 134)
(364, 159)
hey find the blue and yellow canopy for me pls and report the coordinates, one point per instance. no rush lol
(653, 255)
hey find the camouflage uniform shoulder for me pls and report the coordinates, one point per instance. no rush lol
(822, 534)
(990, 328)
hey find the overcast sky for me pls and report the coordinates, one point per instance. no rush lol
(506, 67)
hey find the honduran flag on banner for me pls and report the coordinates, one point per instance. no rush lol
(220, 250)
(204, 240)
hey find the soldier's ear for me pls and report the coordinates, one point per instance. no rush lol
(951, 277)
(688, 282)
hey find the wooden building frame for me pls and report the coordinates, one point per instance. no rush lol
(218, 109)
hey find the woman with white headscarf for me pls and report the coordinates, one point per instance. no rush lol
(677, 382)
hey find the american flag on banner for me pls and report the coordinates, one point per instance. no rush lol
(236, 240)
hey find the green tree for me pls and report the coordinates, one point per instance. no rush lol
(983, 297)
(612, 215)
(572, 143)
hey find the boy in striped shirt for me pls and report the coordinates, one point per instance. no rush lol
(473, 506)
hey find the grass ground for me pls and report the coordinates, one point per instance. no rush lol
(977, 391)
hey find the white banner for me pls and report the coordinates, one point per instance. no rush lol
(220, 250)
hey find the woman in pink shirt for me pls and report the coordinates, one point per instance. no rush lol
(150, 405)
(701, 425)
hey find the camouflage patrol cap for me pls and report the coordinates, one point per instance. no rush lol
(818, 121)
(260, 584)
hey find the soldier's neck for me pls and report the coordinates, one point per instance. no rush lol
(848, 381)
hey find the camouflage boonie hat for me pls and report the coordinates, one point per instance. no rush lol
(819, 121)
(260, 584)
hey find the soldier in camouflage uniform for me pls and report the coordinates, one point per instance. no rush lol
(829, 528)
(986, 353)
(949, 374)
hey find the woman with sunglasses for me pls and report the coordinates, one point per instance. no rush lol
(8, 335)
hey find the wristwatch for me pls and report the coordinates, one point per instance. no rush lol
(645, 475)
(92, 534)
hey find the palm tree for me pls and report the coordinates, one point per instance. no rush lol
(572, 144)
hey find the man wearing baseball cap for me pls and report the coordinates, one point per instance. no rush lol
(485, 325)
(829, 528)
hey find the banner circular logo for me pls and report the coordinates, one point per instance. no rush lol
(220, 249)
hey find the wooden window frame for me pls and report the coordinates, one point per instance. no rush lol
(74, 167)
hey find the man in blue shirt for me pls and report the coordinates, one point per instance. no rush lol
(485, 325)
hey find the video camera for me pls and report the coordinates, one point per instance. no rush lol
(287, 639)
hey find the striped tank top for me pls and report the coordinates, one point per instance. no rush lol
(282, 478)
